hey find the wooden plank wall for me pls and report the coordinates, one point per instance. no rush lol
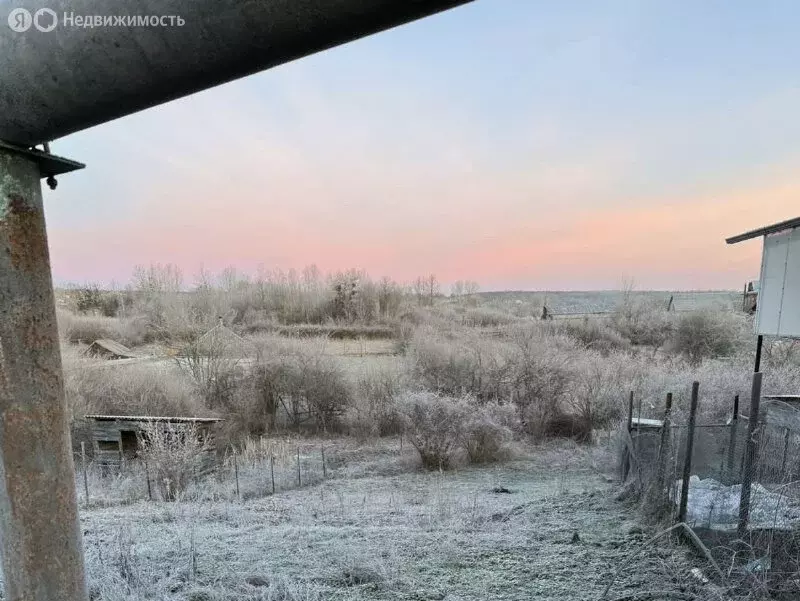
(109, 432)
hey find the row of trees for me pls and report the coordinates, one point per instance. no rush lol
(308, 296)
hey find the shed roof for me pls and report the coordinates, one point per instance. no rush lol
(221, 338)
(154, 418)
(789, 224)
(114, 347)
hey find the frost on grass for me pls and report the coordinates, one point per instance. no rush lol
(418, 535)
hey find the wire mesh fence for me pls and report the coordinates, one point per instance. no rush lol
(258, 468)
(736, 484)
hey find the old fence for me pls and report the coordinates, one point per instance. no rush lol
(262, 467)
(736, 483)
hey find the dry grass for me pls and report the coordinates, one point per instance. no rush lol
(405, 536)
(88, 328)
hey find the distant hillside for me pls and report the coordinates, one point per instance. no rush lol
(603, 301)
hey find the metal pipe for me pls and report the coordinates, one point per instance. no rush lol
(71, 78)
(759, 346)
(750, 455)
(687, 460)
(40, 538)
(734, 425)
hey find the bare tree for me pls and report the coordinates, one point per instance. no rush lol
(213, 366)
(390, 297)
(426, 288)
(230, 279)
(158, 278)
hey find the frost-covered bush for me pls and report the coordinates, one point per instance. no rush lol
(595, 335)
(540, 374)
(139, 389)
(441, 428)
(460, 363)
(488, 432)
(292, 383)
(642, 320)
(487, 318)
(373, 411)
(704, 334)
(88, 328)
(174, 455)
(435, 426)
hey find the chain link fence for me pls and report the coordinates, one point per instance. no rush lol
(735, 484)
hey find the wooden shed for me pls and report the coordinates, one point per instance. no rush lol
(221, 340)
(109, 349)
(118, 437)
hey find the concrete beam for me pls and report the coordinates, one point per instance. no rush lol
(58, 82)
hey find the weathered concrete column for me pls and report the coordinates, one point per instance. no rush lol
(40, 538)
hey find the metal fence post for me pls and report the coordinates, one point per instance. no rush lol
(299, 481)
(42, 553)
(687, 460)
(657, 491)
(236, 474)
(272, 471)
(732, 441)
(85, 475)
(626, 461)
(786, 436)
(750, 451)
(147, 477)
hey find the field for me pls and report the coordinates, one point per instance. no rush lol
(375, 530)
(471, 448)
(606, 301)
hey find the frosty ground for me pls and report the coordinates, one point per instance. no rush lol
(543, 526)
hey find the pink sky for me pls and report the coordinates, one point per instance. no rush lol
(518, 147)
(451, 230)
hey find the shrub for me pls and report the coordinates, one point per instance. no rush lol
(485, 317)
(374, 410)
(599, 385)
(435, 426)
(595, 335)
(566, 425)
(91, 299)
(88, 328)
(642, 320)
(704, 334)
(780, 353)
(294, 380)
(138, 389)
(214, 369)
(488, 432)
(403, 335)
(337, 332)
(175, 454)
(460, 364)
(540, 377)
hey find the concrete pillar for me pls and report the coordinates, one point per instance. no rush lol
(40, 538)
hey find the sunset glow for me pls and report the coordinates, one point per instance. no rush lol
(503, 142)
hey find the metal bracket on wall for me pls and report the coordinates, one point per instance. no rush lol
(50, 165)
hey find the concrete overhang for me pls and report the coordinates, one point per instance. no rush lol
(54, 83)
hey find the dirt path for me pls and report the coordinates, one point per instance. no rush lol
(412, 536)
